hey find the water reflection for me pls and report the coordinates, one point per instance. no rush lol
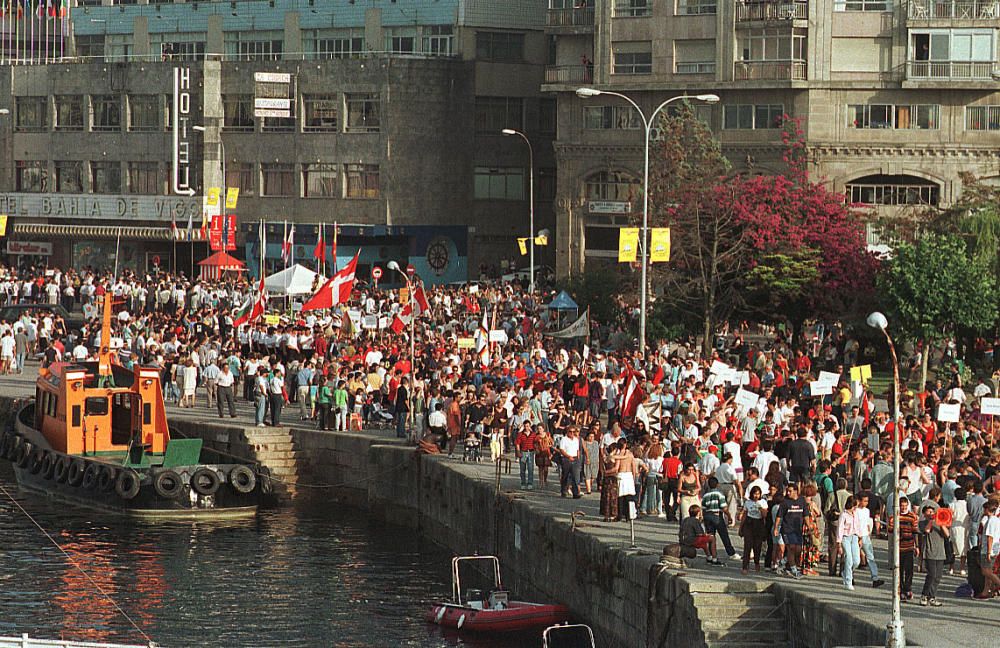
(308, 577)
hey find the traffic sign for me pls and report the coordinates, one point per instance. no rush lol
(410, 270)
(156, 259)
(376, 273)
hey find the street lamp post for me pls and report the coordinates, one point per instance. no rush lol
(895, 635)
(392, 265)
(587, 93)
(531, 204)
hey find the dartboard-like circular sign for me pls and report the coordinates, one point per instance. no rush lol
(438, 255)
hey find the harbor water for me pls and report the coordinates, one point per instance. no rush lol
(308, 576)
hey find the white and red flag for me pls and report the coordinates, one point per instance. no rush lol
(336, 290)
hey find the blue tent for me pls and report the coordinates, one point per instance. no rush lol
(563, 302)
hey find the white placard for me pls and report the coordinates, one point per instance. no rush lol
(828, 378)
(746, 398)
(474, 288)
(817, 388)
(990, 406)
(743, 378)
(383, 322)
(498, 335)
(948, 412)
(719, 367)
(370, 322)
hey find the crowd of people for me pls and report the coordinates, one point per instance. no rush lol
(804, 480)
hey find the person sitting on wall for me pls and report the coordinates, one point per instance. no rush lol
(693, 535)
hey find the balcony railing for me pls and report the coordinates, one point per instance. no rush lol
(582, 17)
(769, 70)
(569, 74)
(749, 11)
(945, 70)
(960, 9)
(628, 9)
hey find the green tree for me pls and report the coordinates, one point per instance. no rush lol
(934, 285)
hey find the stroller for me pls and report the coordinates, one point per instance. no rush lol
(380, 416)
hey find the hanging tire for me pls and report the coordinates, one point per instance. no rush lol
(106, 479)
(23, 454)
(242, 479)
(205, 482)
(36, 461)
(127, 484)
(168, 484)
(74, 476)
(62, 468)
(49, 464)
(90, 476)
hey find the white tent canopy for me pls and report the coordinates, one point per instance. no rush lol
(292, 282)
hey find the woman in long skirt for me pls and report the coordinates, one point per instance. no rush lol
(609, 484)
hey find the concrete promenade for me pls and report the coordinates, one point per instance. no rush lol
(960, 622)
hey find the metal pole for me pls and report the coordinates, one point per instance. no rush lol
(643, 234)
(895, 636)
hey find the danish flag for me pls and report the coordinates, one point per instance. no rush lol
(337, 289)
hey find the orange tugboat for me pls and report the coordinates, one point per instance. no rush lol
(96, 434)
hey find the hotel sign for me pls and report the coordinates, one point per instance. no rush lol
(181, 179)
(158, 208)
(608, 207)
(40, 248)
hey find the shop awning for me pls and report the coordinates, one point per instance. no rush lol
(55, 230)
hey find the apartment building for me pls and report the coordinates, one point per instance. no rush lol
(392, 128)
(896, 99)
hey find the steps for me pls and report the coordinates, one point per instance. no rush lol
(739, 614)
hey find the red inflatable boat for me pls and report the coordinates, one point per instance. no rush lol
(476, 611)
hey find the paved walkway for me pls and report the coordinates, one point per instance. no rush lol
(959, 623)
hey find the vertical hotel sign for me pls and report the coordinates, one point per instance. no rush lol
(181, 181)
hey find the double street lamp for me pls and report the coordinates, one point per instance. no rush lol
(588, 93)
(895, 637)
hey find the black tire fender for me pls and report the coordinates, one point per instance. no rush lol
(205, 481)
(127, 484)
(242, 479)
(168, 484)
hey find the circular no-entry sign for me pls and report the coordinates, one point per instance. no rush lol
(410, 270)
(156, 259)
(376, 273)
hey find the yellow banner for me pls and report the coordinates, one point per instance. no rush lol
(466, 343)
(522, 244)
(3, 224)
(212, 198)
(404, 295)
(541, 240)
(659, 246)
(628, 244)
(272, 320)
(861, 373)
(232, 196)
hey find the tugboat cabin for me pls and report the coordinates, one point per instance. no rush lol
(118, 415)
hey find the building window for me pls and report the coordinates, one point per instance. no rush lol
(773, 44)
(952, 53)
(321, 113)
(278, 125)
(633, 62)
(634, 8)
(615, 117)
(279, 179)
(144, 113)
(892, 190)
(505, 47)
(334, 48)
(107, 113)
(32, 113)
(753, 117)
(547, 116)
(320, 181)
(923, 116)
(32, 176)
(263, 46)
(69, 113)
(241, 174)
(237, 113)
(493, 114)
(694, 56)
(69, 177)
(400, 40)
(982, 118)
(144, 178)
(182, 51)
(499, 183)
(90, 48)
(612, 185)
(105, 177)
(861, 5)
(438, 40)
(362, 180)
(362, 113)
(695, 7)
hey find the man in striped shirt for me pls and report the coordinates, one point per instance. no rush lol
(907, 522)
(717, 517)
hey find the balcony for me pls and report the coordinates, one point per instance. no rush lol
(950, 70)
(570, 21)
(769, 71)
(569, 73)
(954, 10)
(758, 11)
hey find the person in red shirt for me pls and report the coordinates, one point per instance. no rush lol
(671, 474)
(524, 448)
(803, 364)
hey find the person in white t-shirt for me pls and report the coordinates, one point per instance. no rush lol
(7, 352)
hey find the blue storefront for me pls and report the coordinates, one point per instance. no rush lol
(438, 253)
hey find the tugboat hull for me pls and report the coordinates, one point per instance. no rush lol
(201, 491)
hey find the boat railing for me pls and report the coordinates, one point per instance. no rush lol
(456, 581)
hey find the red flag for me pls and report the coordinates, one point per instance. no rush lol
(658, 376)
(632, 396)
(286, 246)
(402, 319)
(248, 315)
(337, 289)
(420, 299)
(319, 252)
(333, 247)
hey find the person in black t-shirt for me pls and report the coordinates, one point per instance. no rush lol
(801, 457)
